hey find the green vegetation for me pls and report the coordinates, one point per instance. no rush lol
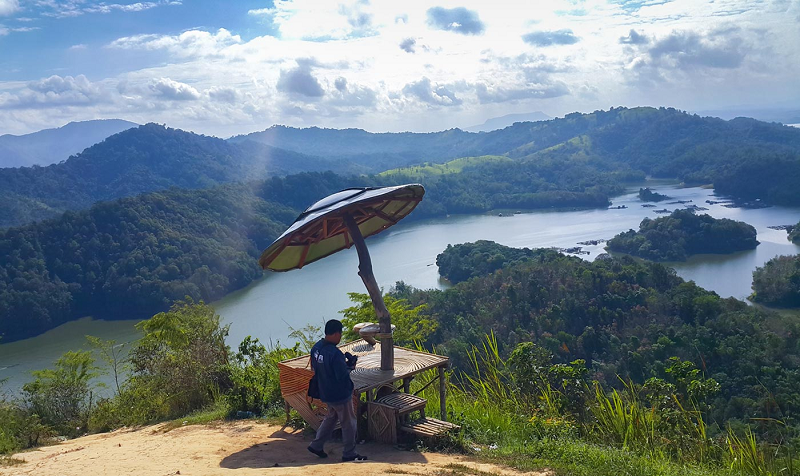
(412, 325)
(133, 257)
(428, 169)
(794, 234)
(462, 262)
(520, 404)
(647, 195)
(181, 368)
(777, 283)
(683, 233)
(628, 318)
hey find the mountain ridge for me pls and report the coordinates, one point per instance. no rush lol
(50, 146)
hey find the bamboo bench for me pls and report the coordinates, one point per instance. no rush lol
(429, 427)
(390, 411)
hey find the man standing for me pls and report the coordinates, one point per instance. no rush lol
(336, 390)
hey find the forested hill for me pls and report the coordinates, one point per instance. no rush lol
(624, 318)
(133, 257)
(574, 161)
(742, 157)
(143, 159)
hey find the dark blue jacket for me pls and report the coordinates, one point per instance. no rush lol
(333, 376)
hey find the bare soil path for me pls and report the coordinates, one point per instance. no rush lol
(231, 448)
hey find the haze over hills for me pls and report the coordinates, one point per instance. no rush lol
(507, 120)
(142, 159)
(50, 146)
(784, 116)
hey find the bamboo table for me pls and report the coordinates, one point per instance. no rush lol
(368, 378)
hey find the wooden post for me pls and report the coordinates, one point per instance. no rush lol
(365, 271)
(442, 394)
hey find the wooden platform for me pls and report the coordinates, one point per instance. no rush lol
(367, 377)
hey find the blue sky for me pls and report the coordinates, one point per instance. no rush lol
(232, 67)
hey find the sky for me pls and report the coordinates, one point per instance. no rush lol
(226, 68)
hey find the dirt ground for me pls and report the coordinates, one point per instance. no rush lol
(236, 448)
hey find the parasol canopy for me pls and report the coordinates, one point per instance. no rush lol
(337, 222)
(321, 230)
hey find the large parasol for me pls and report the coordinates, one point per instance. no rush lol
(337, 222)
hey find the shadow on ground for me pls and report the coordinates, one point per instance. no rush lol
(288, 449)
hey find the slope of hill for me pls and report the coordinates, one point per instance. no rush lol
(143, 159)
(50, 146)
(660, 142)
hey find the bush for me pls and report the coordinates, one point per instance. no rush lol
(19, 429)
(62, 397)
(178, 366)
(256, 387)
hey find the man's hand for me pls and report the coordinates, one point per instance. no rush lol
(351, 360)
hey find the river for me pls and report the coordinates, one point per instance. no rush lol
(270, 307)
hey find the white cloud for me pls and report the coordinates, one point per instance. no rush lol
(74, 8)
(173, 90)
(188, 44)
(55, 91)
(7, 7)
(384, 65)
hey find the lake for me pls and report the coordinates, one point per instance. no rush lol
(271, 307)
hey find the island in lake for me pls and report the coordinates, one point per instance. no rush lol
(682, 234)
(647, 195)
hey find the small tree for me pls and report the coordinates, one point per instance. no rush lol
(112, 354)
(62, 396)
(180, 364)
(412, 324)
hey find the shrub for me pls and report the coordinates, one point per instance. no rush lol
(62, 396)
(256, 387)
(178, 366)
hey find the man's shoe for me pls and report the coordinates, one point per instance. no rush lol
(319, 453)
(354, 459)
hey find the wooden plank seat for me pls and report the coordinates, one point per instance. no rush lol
(404, 403)
(429, 427)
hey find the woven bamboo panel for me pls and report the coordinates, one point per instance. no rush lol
(382, 424)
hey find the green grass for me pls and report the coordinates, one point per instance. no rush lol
(455, 166)
(578, 458)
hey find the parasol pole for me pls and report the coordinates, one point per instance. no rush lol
(365, 271)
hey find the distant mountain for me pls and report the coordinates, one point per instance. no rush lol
(50, 146)
(784, 116)
(376, 151)
(507, 120)
(143, 159)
